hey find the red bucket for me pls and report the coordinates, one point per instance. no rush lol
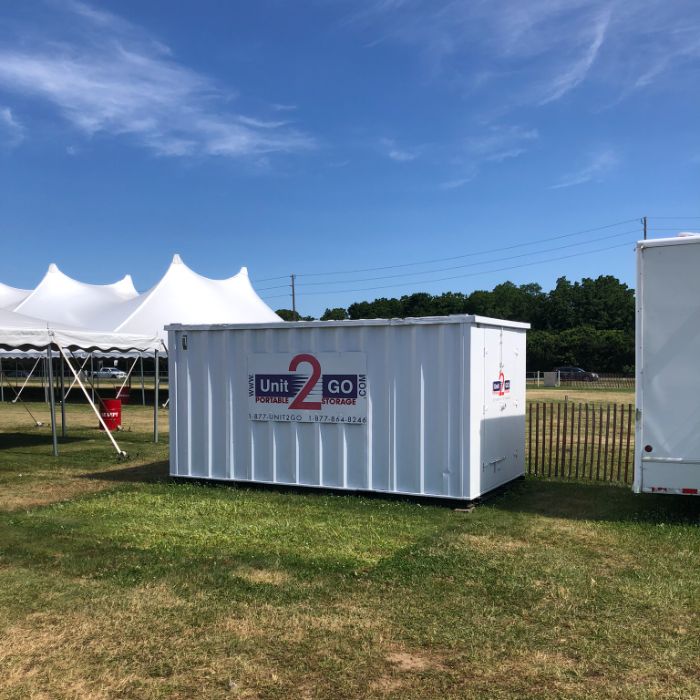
(111, 412)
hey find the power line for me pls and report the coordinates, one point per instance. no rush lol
(471, 274)
(471, 254)
(472, 264)
(445, 259)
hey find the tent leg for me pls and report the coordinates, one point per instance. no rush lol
(43, 382)
(156, 398)
(63, 399)
(92, 378)
(2, 384)
(143, 388)
(52, 403)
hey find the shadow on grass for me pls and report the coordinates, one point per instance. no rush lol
(142, 473)
(600, 502)
(9, 441)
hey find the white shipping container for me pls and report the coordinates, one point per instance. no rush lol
(667, 454)
(425, 406)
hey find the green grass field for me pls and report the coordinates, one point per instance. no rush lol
(117, 583)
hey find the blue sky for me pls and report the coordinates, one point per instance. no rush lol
(338, 135)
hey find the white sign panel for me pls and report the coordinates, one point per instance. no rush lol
(323, 387)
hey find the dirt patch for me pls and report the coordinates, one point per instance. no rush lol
(413, 662)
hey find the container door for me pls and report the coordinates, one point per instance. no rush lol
(503, 424)
(668, 438)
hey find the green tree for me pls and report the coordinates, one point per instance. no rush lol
(336, 314)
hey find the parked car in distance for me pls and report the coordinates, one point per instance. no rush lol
(109, 373)
(576, 374)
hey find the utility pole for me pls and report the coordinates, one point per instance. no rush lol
(644, 223)
(294, 297)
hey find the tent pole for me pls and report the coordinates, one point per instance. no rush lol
(128, 377)
(72, 384)
(2, 383)
(29, 376)
(63, 398)
(43, 383)
(92, 405)
(92, 378)
(52, 403)
(155, 396)
(143, 389)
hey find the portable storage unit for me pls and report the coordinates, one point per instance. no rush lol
(421, 406)
(667, 454)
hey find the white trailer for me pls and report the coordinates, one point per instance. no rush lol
(423, 406)
(667, 452)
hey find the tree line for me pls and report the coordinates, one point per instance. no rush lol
(588, 323)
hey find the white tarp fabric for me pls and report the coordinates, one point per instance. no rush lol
(20, 331)
(10, 297)
(181, 296)
(61, 299)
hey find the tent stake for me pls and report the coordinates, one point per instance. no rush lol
(155, 397)
(52, 403)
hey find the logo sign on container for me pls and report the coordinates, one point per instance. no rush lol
(500, 388)
(324, 387)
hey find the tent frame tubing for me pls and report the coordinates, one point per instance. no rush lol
(120, 452)
(82, 369)
(128, 375)
(29, 376)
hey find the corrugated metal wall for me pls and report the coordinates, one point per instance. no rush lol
(419, 411)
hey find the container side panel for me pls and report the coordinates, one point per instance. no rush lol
(435, 412)
(670, 341)
(407, 411)
(380, 375)
(218, 407)
(198, 405)
(503, 426)
(173, 416)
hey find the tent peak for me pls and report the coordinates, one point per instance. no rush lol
(177, 260)
(53, 268)
(243, 271)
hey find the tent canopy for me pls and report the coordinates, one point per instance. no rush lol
(181, 296)
(18, 331)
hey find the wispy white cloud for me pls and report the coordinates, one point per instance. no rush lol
(493, 143)
(599, 165)
(457, 182)
(542, 49)
(500, 142)
(113, 78)
(11, 131)
(400, 155)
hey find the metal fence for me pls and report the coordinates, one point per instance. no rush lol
(604, 381)
(568, 440)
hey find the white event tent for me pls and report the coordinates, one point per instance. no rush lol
(10, 297)
(62, 315)
(181, 296)
(18, 331)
